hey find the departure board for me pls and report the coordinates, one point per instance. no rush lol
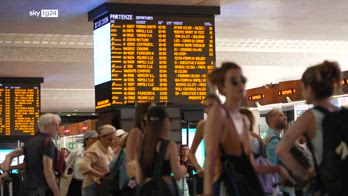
(19, 108)
(163, 59)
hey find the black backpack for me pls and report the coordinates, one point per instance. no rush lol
(332, 173)
(156, 186)
(110, 183)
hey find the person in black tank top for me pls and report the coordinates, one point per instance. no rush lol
(157, 130)
(166, 171)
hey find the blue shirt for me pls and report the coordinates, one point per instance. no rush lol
(272, 140)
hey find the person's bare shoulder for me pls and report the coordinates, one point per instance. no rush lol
(217, 112)
(134, 133)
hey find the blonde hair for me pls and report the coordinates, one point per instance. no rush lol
(46, 119)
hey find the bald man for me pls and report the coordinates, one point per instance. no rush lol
(276, 121)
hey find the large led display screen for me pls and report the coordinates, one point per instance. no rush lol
(158, 58)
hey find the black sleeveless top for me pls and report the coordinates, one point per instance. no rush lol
(166, 170)
(239, 175)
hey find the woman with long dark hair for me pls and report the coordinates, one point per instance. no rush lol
(136, 136)
(157, 131)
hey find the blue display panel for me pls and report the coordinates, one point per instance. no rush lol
(200, 153)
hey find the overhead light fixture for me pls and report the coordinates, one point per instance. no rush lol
(68, 115)
(76, 110)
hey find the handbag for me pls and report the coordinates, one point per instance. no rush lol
(65, 182)
(110, 183)
(157, 186)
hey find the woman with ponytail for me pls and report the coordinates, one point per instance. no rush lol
(156, 133)
(319, 83)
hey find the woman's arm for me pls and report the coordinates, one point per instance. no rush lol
(196, 141)
(132, 146)
(263, 169)
(214, 129)
(178, 170)
(301, 126)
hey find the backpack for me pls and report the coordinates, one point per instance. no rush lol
(267, 141)
(156, 186)
(332, 173)
(114, 183)
(59, 164)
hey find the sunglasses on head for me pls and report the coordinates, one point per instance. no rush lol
(234, 81)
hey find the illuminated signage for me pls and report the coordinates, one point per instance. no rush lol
(101, 22)
(158, 58)
(256, 97)
(103, 104)
(286, 92)
(19, 107)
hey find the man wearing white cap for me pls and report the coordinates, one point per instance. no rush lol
(95, 163)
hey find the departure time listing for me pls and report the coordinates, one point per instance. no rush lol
(19, 109)
(160, 58)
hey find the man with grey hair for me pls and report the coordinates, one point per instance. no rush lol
(39, 153)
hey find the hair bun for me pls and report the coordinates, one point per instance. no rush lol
(330, 70)
(217, 75)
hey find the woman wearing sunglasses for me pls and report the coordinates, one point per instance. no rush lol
(229, 165)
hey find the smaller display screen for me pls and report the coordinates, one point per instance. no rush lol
(19, 109)
(200, 153)
(286, 92)
(256, 97)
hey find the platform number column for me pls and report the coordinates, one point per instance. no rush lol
(163, 67)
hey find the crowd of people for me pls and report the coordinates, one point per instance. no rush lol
(308, 159)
